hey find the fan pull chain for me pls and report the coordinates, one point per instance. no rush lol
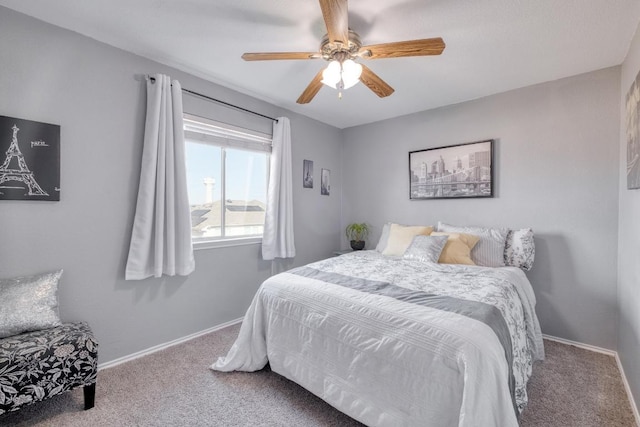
(340, 85)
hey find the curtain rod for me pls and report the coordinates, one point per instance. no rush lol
(209, 98)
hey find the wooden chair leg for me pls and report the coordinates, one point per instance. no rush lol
(89, 396)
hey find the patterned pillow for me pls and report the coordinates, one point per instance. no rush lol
(520, 249)
(426, 248)
(489, 252)
(29, 303)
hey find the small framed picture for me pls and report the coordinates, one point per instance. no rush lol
(307, 174)
(325, 184)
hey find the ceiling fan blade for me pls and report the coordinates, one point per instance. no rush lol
(267, 56)
(336, 18)
(311, 90)
(375, 83)
(422, 47)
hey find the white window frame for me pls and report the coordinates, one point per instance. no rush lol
(224, 136)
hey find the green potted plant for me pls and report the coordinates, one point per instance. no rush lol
(357, 234)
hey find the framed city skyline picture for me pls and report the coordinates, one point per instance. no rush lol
(29, 160)
(452, 172)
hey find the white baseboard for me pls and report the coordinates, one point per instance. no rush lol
(580, 345)
(632, 402)
(159, 347)
(634, 407)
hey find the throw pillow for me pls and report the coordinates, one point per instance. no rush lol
(520, 249)
(29, 303)
(458, 248)
(425, 248)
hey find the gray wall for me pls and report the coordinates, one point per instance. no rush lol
(629, 242)
(556, 170)
(56, 76)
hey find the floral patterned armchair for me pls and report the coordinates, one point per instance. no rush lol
(37, 365)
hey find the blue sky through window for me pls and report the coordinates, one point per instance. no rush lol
(246, 173)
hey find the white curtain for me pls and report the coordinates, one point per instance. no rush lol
(277, 240)
(161, 236)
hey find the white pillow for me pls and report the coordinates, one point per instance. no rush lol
(490, 250)
(400, 238)
(384, 237)
(29, 303)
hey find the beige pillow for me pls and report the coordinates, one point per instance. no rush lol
(458, 248)
(401, 236)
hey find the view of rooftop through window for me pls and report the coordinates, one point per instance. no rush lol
(227, 190)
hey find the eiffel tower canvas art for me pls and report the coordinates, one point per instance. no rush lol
(31, 166)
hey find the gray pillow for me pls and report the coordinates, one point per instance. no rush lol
(489, 252)
(426, 248)
(29, 303)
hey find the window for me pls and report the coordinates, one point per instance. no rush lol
(227, 174)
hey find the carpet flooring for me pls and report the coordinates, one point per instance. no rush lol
(175, 387)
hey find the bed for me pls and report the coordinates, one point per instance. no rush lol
(394, 341)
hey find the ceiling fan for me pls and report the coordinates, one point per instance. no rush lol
(341, 46)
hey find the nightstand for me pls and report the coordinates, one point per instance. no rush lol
(342, 252)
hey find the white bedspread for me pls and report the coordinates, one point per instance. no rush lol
(389, 362)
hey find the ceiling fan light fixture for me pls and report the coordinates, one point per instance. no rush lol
(342, 75)
(351, 72)
(331, 75)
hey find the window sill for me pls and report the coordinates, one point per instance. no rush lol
(225, 243)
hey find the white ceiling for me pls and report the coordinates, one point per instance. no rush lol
(492, 45)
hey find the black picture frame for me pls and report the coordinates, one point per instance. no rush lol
(461, 171)
(29, 160)
(307, 173)
(325, 182)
